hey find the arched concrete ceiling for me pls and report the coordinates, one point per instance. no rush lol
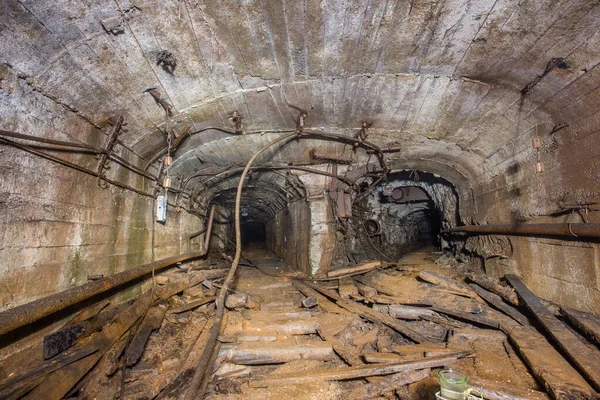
(441, 79)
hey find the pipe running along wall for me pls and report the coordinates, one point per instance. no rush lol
(584, 230)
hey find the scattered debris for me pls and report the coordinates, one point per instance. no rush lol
(319, 336)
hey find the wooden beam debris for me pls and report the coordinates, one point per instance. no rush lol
(259, 353)
(487, 283)
(389, 383)
(191, 305)
(495, 391)
(27, 313)
(56, 385)
(587, 324)
(363, 371)
(468, 317)
(359, 269)
(556, 375)
(77, 329)
(372, 315)
(325, 304)
(496, 301)
(585, 358)
(152, 321)
(448, 283)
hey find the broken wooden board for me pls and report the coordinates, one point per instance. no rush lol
(385, 385)
(585, 358)
(448, 283)
(151, 322)
(259, 353)
(557, 376)
(191, 305)
(409, 291)
(325, 304)
(363, 371)
(380, 357)
(191, 279)
(57, 384)
(469, 317)
(271, 323)
(404, 312)
(25, 378)
(85, 324)
(360, 269)
(372, 315)
(496, 301)
(420, 349)
(496, 391)
(174, 385)
(587, 324)
(487, 283)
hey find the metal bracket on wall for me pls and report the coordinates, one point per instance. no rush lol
(104, 162)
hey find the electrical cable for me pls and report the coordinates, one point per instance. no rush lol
(201, 375)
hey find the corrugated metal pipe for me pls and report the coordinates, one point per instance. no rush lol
(563, 230)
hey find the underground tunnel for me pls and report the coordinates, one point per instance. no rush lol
(345, 199)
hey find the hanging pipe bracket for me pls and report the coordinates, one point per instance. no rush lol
(104, 162)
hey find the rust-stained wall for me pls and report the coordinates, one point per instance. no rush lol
(58, 226)
(562, 270)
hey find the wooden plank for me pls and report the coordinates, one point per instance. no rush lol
(506, 293)
(25, 377)
(151, 322)
(497, 391)
(556, 375)
(324, 302)
(408, 349)
(385, 385)
(81, 327)
(176, 385)
(372, 315)
(587, 324)
(362, 371)
(496, 301)
(585, 358)
(404, 312)
(360, 269)
(191, 305)
(260, 353)
(191, 279)
(468, 317)
(57, 384)
(448, 283)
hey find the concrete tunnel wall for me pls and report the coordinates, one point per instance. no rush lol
(441, 80)
(58, 226)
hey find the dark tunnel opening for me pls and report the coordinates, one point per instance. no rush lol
(253, 232)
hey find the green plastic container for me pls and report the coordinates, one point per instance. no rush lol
(453, 384)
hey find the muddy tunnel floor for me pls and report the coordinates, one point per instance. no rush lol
(383, 331)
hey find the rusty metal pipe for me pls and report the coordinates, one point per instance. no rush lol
(27, 313)
(564, 230)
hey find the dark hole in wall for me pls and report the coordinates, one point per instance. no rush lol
(253, 232)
